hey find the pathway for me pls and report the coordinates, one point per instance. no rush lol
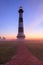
(24, 57)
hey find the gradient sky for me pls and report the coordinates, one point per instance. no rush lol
(33, 18)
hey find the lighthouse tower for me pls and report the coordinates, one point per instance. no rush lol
(20, 26)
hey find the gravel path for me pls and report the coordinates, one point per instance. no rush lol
(24, 57)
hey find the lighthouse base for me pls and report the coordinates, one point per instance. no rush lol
(20, 37)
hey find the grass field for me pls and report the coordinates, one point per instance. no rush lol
(36, 48)
(9, 48)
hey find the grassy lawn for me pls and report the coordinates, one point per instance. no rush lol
(7, 50)
(36, 49)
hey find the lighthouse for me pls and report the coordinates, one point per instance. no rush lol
(20, 26)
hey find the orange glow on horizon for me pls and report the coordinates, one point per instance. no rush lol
(27, 37)
(10, 36)
(34, 37)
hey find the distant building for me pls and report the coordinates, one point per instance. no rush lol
(3, 38)
(0, 37)
(20, 26)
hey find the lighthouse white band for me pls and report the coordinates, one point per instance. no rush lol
(21, 24)
(21, 15)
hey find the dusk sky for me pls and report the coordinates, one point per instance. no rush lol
(32, 17)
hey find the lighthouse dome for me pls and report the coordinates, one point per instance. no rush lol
(20, 10)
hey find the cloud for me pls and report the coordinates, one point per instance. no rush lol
(38, 18)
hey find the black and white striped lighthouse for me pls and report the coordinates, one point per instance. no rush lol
(20, 27)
